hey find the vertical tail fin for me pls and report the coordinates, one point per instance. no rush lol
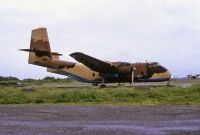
(40, 45)
(40, 40)
(40, 52)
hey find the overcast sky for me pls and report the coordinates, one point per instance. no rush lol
(167, 31)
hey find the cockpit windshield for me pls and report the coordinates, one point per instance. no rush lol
(156, 67)
(153, 64)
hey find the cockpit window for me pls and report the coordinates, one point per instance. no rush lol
(153, 64)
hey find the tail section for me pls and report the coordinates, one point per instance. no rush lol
(39, 45)
(40, 52)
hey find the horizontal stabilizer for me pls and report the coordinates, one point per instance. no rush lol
(55, 53)
(41, 53)
(38, 53)
(26, 50)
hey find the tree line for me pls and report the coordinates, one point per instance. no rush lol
(47, 78)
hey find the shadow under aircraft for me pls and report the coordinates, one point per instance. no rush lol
(89, 69)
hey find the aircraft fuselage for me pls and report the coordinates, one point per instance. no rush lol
(143, 72)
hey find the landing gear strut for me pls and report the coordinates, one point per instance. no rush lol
(132, 74)
(170, 82)
(102, 85)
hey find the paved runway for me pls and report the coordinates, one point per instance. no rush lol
(99, 120)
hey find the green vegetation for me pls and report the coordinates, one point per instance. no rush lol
(92, 95)
(13, 81)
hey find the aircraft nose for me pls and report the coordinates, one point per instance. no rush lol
(166, 74)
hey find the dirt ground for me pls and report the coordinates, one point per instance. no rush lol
(99, 120)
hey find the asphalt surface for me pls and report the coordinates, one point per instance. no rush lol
(99, 120)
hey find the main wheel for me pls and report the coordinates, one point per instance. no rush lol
(102, 86)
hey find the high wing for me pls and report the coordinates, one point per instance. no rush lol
(94, 63)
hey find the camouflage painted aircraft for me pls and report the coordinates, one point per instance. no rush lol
(90, 69)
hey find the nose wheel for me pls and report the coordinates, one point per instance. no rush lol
(170, 82)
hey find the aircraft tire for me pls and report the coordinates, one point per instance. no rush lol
(102, 86)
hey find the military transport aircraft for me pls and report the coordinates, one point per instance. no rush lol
(90, 69)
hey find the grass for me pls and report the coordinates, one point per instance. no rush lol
(121, 95)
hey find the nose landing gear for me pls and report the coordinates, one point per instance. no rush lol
(170, 82)
(132, 74)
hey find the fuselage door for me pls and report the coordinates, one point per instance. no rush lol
(141, 70)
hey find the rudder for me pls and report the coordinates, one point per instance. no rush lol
(40, 52)
(39, 45)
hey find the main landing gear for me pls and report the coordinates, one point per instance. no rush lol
(102, 84)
